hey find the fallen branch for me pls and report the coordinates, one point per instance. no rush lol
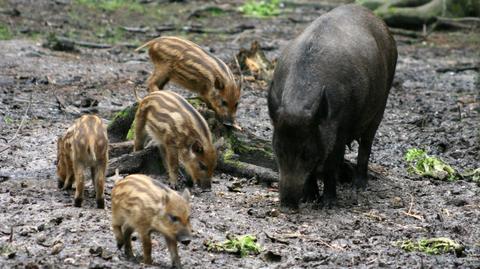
(136, 29)
(66, 108)
(463, 23)
(459, 68)
(83, 43)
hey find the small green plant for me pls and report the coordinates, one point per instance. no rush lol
(474, 175)
(112, 5)
(264, 8)
(422, 164)
(8, 120)
(242, 245)
(5, 32)
(432, 246)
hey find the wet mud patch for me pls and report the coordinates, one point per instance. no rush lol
(428, 108)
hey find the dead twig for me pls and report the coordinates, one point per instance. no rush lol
(10, 239)
(411, 213)
(23, 120)
(458, 68)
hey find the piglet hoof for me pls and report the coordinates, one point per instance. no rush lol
(78, 202)
(173, 186)
(101, 203)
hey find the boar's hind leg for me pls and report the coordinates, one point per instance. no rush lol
(140, 132)
(79, 184)
(172, 248)
(364, 150)
(127, 239)
(159, 78)
(98, 176)
(310, 190)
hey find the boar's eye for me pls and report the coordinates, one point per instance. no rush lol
(202, 166)
(173, 218)
(224, 103)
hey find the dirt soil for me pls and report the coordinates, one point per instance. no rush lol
(436, 111)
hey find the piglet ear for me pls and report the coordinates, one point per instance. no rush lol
(197, 147)
(186, 195)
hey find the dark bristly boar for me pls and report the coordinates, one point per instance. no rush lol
(330, 87)
(181, 133)
(139, 204)
(190, 66)
(83, 146)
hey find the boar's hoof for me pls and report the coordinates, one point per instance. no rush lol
(119, 245)
(346, 173)
(359, 183)
(101, 203)
(328, 201)
(311, 196)
(60, 184)
(78, 202)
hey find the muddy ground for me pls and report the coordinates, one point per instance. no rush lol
(437, 111)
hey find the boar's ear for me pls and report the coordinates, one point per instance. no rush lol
(197, 147)
(165, 199)
(240, 80)
(321, 107)
(186, 195)
(219, 84)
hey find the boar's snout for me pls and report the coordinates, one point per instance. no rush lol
(184, 237)
(291, 190)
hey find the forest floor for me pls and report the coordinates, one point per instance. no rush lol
(429, 108)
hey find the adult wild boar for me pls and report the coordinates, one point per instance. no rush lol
(330, 87)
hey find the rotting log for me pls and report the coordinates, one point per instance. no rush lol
(241, 153)
(121, 123)
(416, 13)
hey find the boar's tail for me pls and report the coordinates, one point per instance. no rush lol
(148, 44)
(91, 150)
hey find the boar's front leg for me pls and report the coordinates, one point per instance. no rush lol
(147, 246)
(171, 158)
(172, 248)
(310, 190)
